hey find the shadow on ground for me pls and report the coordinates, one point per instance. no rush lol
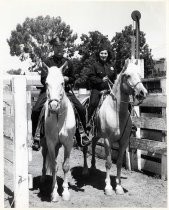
(46, 188)
(10, 196)
(96, 179)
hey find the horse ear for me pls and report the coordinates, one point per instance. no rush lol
(125, 64)
(45, 66)
(127, 61)
(136, 62)
(64, 66)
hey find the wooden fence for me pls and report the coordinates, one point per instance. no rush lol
(149, 147)
(17, 127)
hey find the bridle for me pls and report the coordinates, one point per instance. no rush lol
(132, 86)
(110, 84)
(56, 100)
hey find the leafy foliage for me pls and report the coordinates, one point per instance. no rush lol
(31, 39)
(87, 49)
(121, 47)
(15, 71)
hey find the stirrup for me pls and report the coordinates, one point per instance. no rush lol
(84, 140)
(36, 145)
(88, 126)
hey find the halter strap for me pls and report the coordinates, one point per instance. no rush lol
(133, 86)
(57, 100)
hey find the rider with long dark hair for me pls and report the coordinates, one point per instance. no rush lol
(100, 72)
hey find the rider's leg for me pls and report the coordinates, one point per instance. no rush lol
(84, 139)
(35, 117)
(94, 101)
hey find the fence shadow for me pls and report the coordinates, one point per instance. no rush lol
(10, 196)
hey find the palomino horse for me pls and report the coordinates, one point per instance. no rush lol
(113, 122)
(59, 130)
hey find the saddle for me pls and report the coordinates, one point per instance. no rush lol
(91, 127)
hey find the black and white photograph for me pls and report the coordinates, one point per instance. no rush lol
(84, 103)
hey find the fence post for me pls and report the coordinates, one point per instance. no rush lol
(138, 135)
(21, 191)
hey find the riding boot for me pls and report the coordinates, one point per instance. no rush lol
(35, 133)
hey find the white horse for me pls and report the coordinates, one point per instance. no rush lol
(59, 130)
(113, 122)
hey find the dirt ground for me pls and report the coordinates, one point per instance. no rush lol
(140, 190)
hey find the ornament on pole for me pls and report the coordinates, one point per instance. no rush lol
(136, 15)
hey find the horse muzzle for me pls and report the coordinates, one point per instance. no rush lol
(54, 105)
(141, 95)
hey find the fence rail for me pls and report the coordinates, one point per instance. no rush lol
(148, 149)
(17, 112)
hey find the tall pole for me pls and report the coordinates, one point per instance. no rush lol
(136, 15)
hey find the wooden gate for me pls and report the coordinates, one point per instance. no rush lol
(149, 147)
(17, 127)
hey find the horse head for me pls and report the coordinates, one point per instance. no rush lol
(132, 80)
(55, 87)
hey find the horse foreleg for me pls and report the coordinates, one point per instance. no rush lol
(93, 160)
(108, 164)
(85, 171)
(119, 189)
(66, 168)
(53, 156)
(54, 194)
(44, 154)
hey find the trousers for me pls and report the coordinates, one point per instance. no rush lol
(94, 101)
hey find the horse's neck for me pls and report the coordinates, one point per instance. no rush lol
(122, 99)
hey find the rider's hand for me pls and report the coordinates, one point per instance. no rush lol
(66, 78)
(105, 79)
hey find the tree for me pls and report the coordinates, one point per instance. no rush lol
(121, 50)
(15, 71)
(89, 46)
(31, 39)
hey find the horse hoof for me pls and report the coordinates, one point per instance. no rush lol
(66, 195)
(55, 198)
(119, 190)
(108, 192)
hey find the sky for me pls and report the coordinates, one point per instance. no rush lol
(108, 17)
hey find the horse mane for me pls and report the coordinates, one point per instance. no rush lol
(118, 79)
(117, 82)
